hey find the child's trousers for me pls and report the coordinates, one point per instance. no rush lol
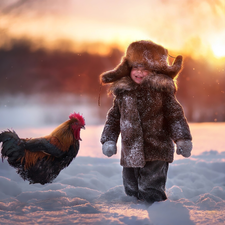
(146, 183)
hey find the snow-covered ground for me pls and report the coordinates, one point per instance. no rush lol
(90, 190)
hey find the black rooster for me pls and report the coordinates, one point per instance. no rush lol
(40, 160)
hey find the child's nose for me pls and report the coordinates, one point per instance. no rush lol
(140, 70)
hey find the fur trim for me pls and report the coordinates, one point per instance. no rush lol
(160, 82)
(146, 53)
(157, 82)
(120, 71)
(124, 84)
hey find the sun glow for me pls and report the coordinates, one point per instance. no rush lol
(218, 49)
(63, 32)
(86, 27)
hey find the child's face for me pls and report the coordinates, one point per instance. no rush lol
(138, 73)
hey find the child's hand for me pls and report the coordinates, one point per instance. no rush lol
(184, 148)
(109, 148)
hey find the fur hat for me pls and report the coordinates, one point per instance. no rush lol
(147, 54)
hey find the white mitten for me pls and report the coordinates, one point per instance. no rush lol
(109, 148)
(184, 148)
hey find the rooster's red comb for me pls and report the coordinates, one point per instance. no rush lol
(78, 117)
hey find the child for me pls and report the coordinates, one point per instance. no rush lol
(149, 118)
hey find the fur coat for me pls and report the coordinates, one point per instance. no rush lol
(149, 118)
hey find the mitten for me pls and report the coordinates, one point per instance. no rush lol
(184, 148)
(109, 148)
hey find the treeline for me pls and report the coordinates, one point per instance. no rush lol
(201, 90)
(201, 87)
(23, 70)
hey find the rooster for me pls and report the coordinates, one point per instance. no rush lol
(40, 160)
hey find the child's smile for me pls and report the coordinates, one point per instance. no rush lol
(138, 79)
(137, 74)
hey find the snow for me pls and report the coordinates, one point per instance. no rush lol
(90, 190)
(40, 110)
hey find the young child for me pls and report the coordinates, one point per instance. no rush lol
(148, 116)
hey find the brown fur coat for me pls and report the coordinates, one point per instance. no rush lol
(149, 118)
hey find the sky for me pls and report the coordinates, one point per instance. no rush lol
(184, 26)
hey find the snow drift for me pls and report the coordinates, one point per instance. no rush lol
(90, 191)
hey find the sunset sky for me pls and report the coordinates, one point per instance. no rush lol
(182, 26)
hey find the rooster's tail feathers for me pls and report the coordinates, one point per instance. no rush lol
(6, 135)
(12, 145)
